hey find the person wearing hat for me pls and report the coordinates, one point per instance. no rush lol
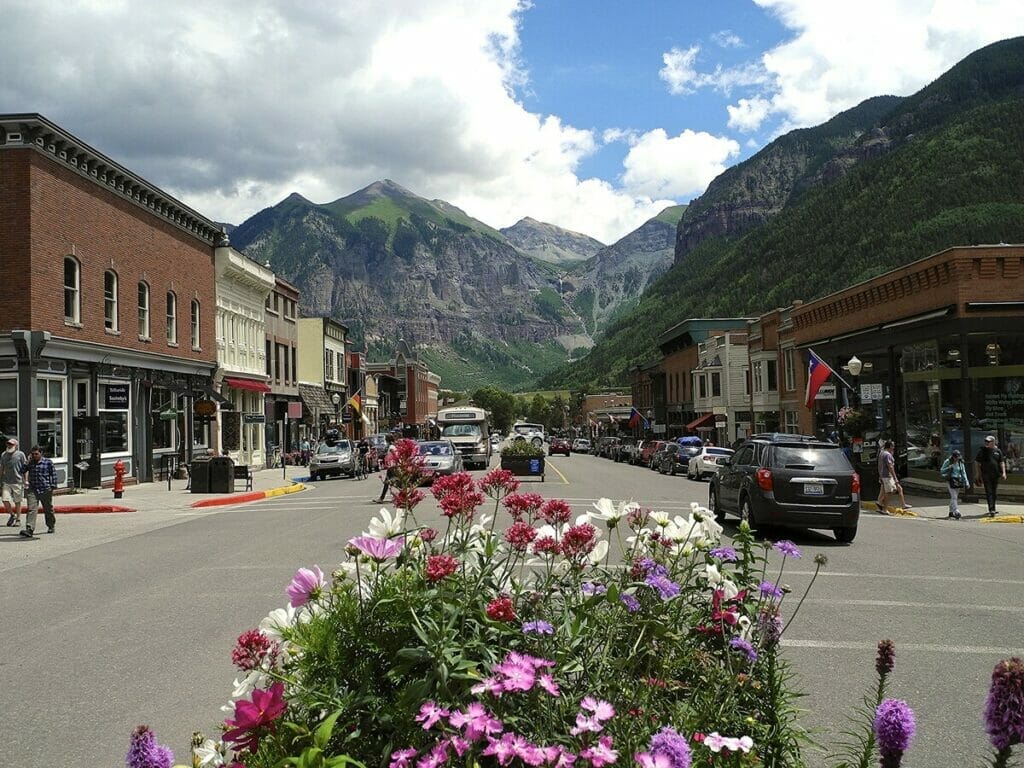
(12, 480)
(989, 467)
(955, 472)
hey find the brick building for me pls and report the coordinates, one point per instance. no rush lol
(284, 425)
(107, 323)
(417, 389)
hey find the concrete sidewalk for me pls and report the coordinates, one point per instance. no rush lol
(937, 508)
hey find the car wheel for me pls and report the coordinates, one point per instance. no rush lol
(714, 507)
(538, 442)
(672, 469)
(845, 535)
(689, 474)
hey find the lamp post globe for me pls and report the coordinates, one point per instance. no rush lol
(336, 399)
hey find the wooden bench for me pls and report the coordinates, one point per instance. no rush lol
(242, 473)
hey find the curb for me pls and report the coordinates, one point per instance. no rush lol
(1003, 519)
(90, 509)
(242, 498)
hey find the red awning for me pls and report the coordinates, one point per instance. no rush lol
(701, 421)
(251, 384)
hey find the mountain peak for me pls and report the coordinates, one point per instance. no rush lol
(551, 243)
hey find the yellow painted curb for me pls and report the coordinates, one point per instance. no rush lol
(1003, 519)
(900, 512)
(869, 506)
(294, 488)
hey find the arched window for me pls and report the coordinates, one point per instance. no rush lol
(110, 300)
(195, 324)
(143, 310)
(72, 290)
(172, 318)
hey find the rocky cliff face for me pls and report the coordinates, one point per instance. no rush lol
(550, 243)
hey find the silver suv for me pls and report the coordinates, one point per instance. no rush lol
(337, 457)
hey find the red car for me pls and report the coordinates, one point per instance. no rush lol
(648, 451)
(559, 445)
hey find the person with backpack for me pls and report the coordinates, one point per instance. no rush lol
(955, 472)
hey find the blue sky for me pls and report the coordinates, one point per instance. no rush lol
(590, 114)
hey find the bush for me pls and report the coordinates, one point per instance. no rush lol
(522, 449)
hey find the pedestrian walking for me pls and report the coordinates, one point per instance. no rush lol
(955, 472)
(388, 471)
(42, 479)
(989, 467)
(304, 448)
(887, 477)
(12, 481)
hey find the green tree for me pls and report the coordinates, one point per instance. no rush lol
(500, 404)
(539, 407)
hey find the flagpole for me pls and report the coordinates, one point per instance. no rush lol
(841, 379)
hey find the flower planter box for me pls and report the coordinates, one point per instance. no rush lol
(524, 465)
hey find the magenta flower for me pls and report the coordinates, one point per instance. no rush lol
(476, 722)
(401, 758)
(500, 749)
(601, 754)
(498, 483)
(377, 549)
(436, 757)
(547, 682)
(306, 585)
(894, 729)
(1004, 708)
(430, 714)
(253, 717)
(601, 710)
(144, 752)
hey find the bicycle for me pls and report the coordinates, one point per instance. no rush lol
(360, 472)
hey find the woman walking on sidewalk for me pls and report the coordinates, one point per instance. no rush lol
(955, 472)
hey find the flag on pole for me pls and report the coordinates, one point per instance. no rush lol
(356, 401)
(635, 418)
(818, 372)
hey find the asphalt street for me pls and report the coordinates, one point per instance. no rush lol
(128, 619)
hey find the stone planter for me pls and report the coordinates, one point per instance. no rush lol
(524, 465)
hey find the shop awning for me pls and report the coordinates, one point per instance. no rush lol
(707, 420)
(250, 384)
(315, 398)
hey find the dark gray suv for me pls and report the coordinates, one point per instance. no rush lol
(789, 480)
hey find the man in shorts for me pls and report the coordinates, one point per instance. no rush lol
(12, 480)
(887, 477)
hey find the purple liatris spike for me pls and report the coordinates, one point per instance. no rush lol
(894, 728)
(886, 658)
(1004, 709)
(144, 752)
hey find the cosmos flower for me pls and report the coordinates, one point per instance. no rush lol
(306, 585)
(377, 549)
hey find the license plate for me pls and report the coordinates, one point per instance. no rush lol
(814, 489)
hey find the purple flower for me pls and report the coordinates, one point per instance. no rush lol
(401, 758)
(787, 548)
(538, 628)
(886, 658)
(377, 549)
(743, 645)
(649, 567)
(770, 623)
(728, 554)
(665, 586)
(894, 728)
(144, 752)
(306, 585)
(593, 588)
(630, 601)
(669, 743)
(1004, 708)
(476, 722)
(769, 589)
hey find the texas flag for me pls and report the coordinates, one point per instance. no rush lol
(636, 418)
(817, 374)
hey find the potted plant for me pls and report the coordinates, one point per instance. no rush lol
(522, 457)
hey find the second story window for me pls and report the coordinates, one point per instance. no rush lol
(789, 363)
(172, 318)
(110, 300)
(328, 365)
(773, 375)
(143, 311)
(195, 324)
(702, 386)
(72, 290)
(716, 385)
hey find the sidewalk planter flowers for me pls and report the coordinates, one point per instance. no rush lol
(523, 458)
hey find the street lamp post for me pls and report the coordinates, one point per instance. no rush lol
(855, 366)
(336, 399)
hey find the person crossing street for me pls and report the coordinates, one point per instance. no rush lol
(42, 479)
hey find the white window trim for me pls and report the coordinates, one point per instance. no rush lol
(111, 303)
(77, 318)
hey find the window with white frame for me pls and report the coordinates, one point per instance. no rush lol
(72, 290)
(172, 318)
(758, 367)
(195, 324)
(50, 416)
(328, 365)
(143, 310)
(8, 407)
(792, 422)
(114, 407)
(789, 362)
(716, 384)
(110, 300)
(772, 367)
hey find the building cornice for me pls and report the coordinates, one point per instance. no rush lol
(33, 131)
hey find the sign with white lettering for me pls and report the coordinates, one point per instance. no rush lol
(116, 398)
(826, 392)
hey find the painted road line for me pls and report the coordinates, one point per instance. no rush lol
(907, 577)
(928, 606)
(558, 472)
(872, 647)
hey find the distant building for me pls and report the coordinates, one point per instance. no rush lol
(323, 380)
(281, 350)
(417, 390)
(721, 387)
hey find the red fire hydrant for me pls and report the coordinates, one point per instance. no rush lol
(118, 479)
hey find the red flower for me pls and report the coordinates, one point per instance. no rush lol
(457, 495)
(428, 535)
(546, 545)
(407, 498)
(523, 504)
(501, 609)
(579, 540)
(251, 717)
(555, 512)
(440, 567)
(250, 650)
(498, 483)
(519, 535)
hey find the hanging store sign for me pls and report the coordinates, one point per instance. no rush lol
(204, 408)
(116, 398)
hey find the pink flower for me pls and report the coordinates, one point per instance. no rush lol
(457, 495)
(476, 722)
(498, 483)
(500, 749)
(653, 760)
(602, 709)
(437, 756)
(601, 754)
(402, 757)
(440, 567)
(407, 498)
(546, 545)
(252, 717)
(555, 512)
(377, 549)
(579, 541)
(501, 609)
(306, 585)
(519, 535)
(491, 685)
(430, 714)
(251, 649)
(547, 682)
(523, 505)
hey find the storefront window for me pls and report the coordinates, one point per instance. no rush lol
(8, 408)
(164, 402)
(50, 417)
(200, 432)
(114, 406)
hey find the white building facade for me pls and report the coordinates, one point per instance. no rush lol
(721, 386)
(242, 288)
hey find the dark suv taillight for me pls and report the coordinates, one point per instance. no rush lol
(764, 480)
(855, 483)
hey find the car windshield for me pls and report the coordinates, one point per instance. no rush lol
(342, 446)
(810, 457)
(461, 430)
(435, 449)
(525, 429)
(718, 452)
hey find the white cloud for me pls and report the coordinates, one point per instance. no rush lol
(726, 38)
(683, 78)
(232, 106)
(748, 114)
(676, 167)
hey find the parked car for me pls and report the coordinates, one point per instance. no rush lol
(605, 445)
(789, 480)
(672, 459)
(656, 457)
(559, 445)
(337, 457)
(440, 457)
(689, 447)
(650, 447)
(581, 445)
(625, 450)
(707, 462)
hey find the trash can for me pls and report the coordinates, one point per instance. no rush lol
(222, 474)
(199, 475)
